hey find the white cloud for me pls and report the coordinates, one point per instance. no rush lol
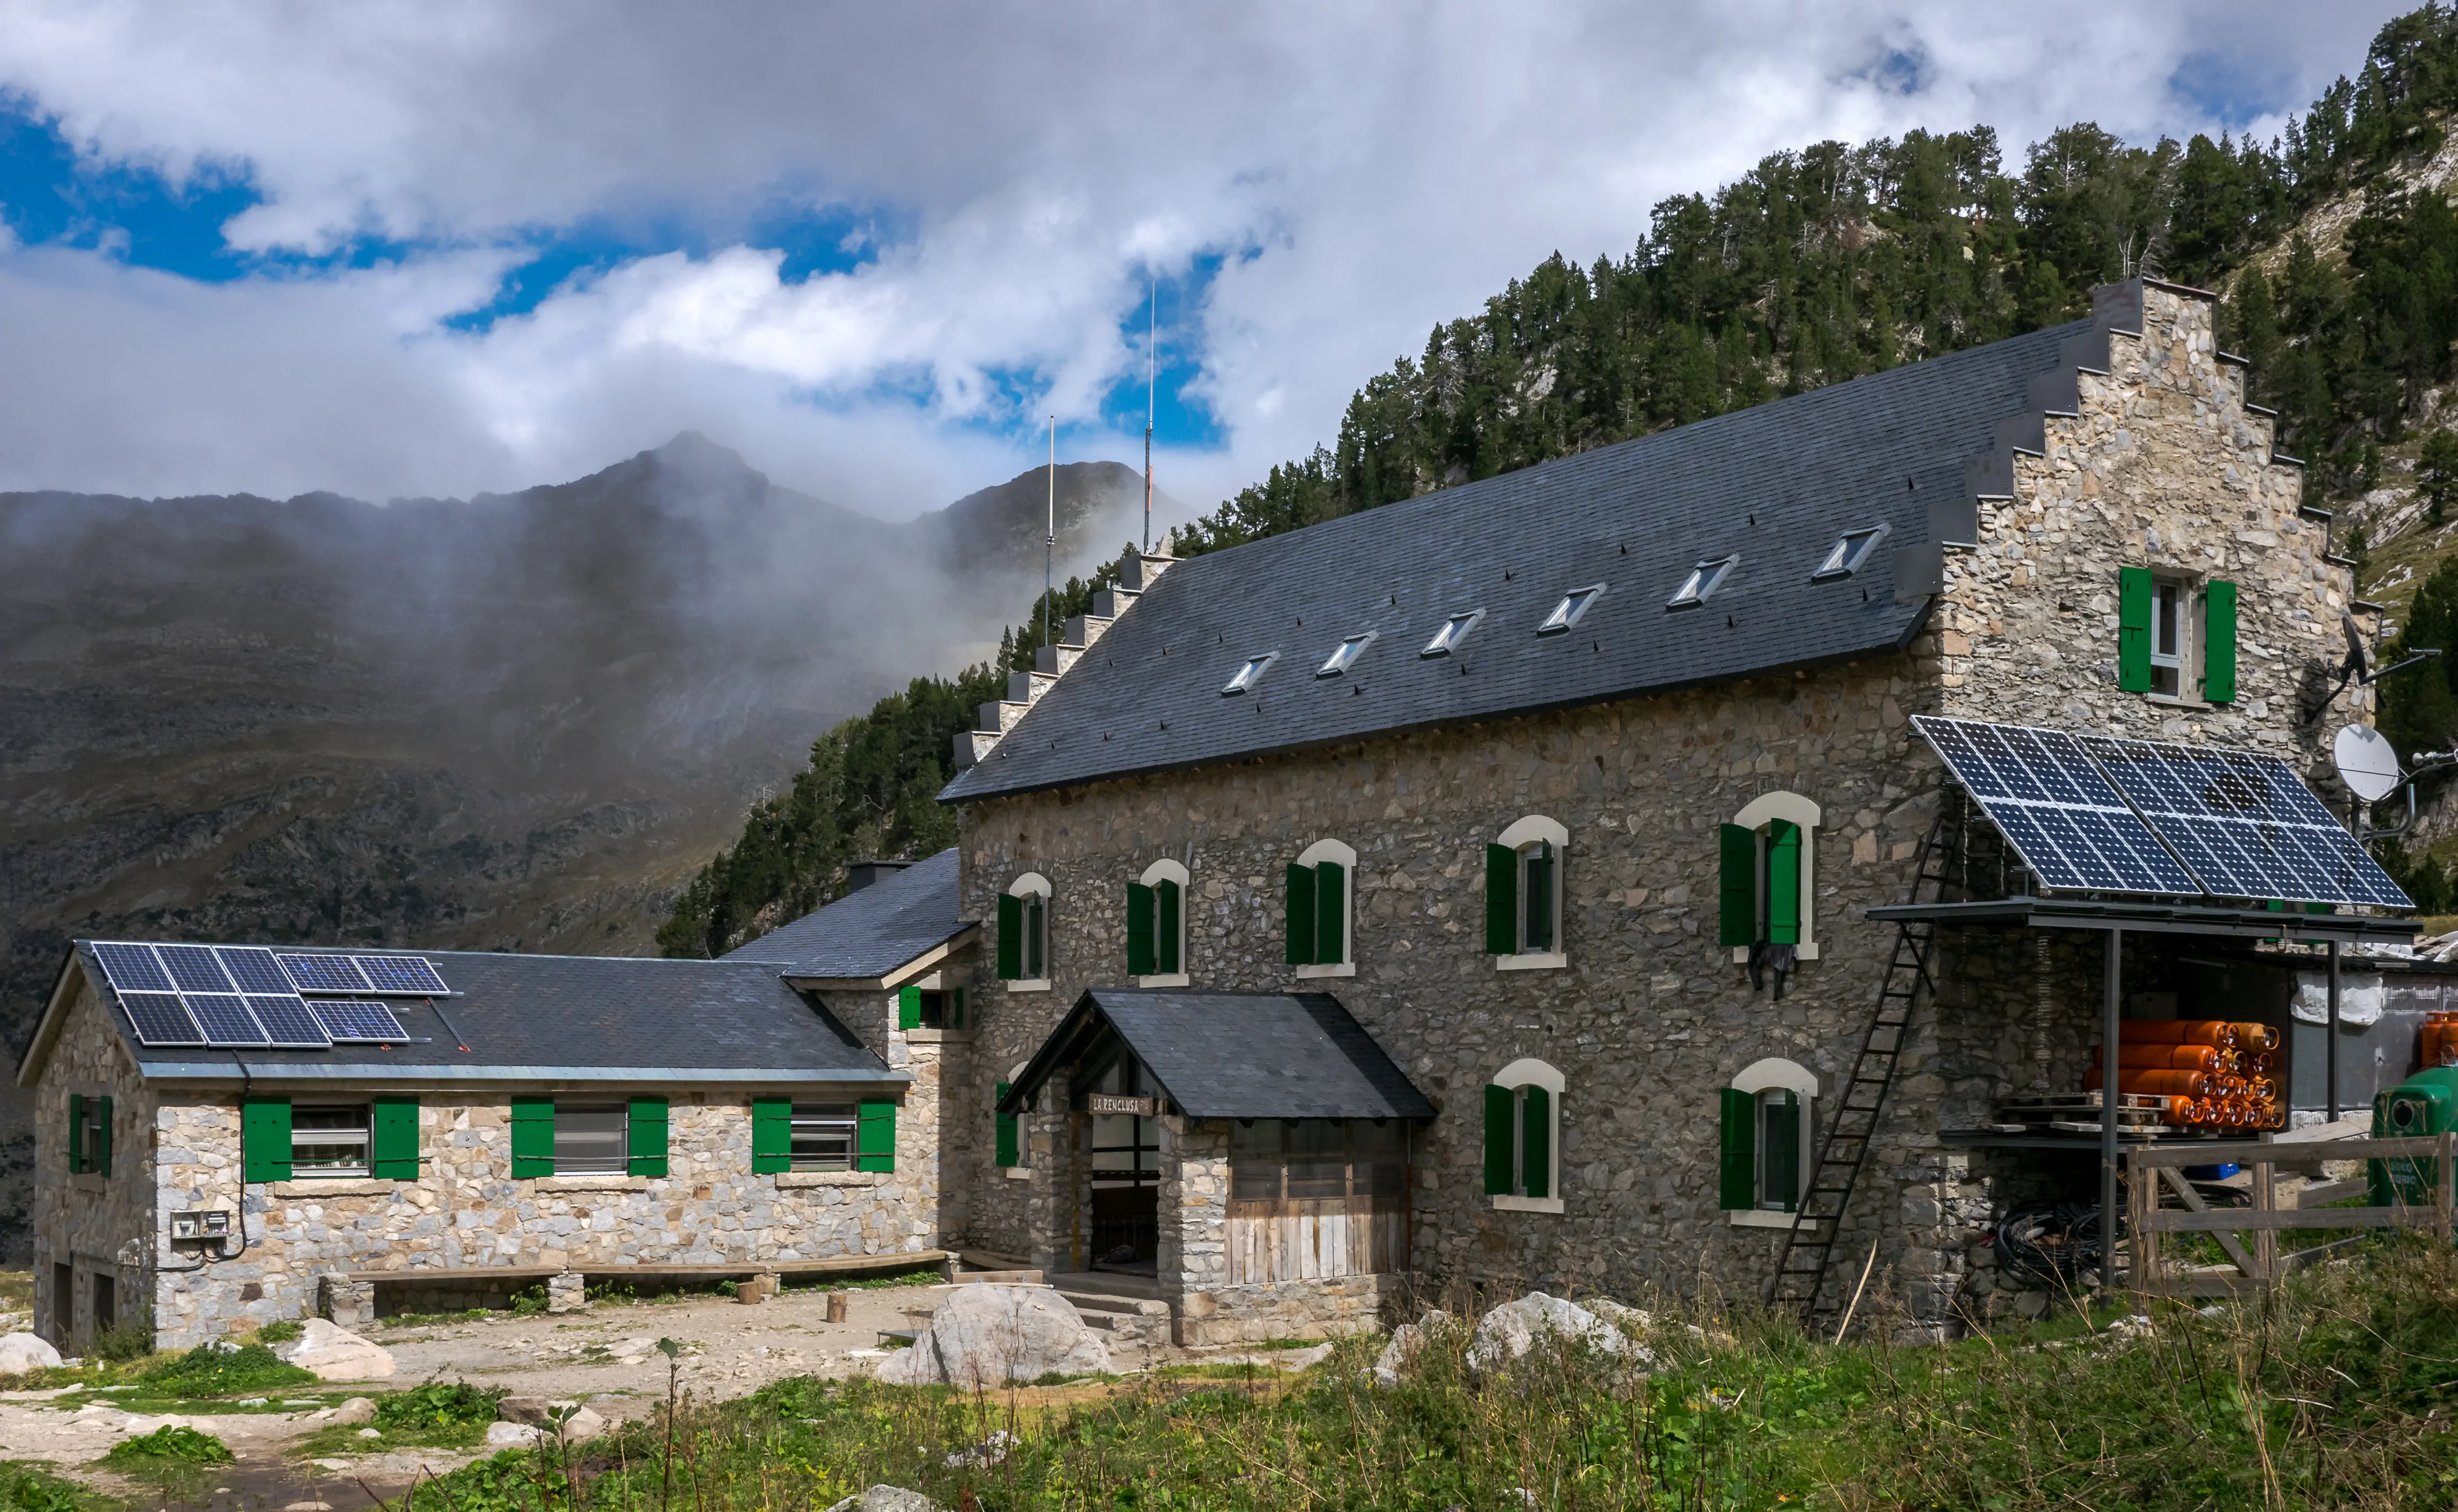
(1368, 171)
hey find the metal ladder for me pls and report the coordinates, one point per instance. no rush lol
(1809, 1245)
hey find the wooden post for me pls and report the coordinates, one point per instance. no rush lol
(837, 1303)
(2445, 1190)
(2141, 1199)
(2265, 1241)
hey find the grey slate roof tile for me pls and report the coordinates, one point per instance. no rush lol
(868, 933)
(1777, 484)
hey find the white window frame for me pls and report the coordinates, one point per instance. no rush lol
(1249, 674)
(1774, 1076)
(1032, 884)
(1574, 607)
(1344, 656)
(1793, 809)
(1522, 834)
(1336, 851)
(365, 1132)
(1453, 630)
(1158, 872)
(2184, 658)
(1518, 1076)
(1702, 582)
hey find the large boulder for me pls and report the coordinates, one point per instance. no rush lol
(887, 1499)
(20, 1353)
(1400, 1352)
(1511, 1330)
(336, 1354)
(993, 1335)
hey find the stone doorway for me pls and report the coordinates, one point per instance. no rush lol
(1125, 1178)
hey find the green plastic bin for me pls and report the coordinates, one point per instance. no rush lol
(2424, 1105)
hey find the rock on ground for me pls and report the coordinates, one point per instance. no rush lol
(990, 1336)
(336, 1354)
(1511, 1330)
(1401, 1354)
(20, 1353)
(512, 1436)
(358, 1409)
(582, 1425)
(887, 1499)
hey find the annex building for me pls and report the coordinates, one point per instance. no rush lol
(1580, 879)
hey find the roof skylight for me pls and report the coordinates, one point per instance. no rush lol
(1845, 556)
(1566, 612)
(1455, 629)
(1702, 582)
(1250, 674)
(1344, 655)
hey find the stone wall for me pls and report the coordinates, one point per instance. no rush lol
(96, 1225)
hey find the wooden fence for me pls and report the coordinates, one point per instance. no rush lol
(2156, 1173)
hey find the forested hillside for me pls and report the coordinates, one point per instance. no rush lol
(1820, 266)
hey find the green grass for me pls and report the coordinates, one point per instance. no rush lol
(439, 1414)
(2335, 1392)
(34, 1488)
(209, 1370)
(176, 1457)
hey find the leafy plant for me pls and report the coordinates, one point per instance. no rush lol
(29, 1488)
(219, 1368)
(123, 1341)
(438, 1406)
(281, 1332)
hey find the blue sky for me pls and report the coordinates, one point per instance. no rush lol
(407, 252)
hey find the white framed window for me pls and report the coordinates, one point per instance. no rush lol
(592, 1139)
(1454, 630)
(1768, 876)
(1764, 1150)
(1344, 656)
(1702, 582)
(1250, 674)
(1566, 612)
(1523, 1138)
(1320, 897)
(1846, 555)
(329, 1140)
(1157, 938)
(1024, 934)
(1522, 895)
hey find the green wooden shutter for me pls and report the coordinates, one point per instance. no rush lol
(2219, 643)
(772, 1134)
(956, 1006)
(1782, 1183)
(1501, 900)
(1737, 887)
(265, 1139)
(102, 1136)
(1006, 1131)
(1537, 1142)
(1037, 938)
(1300, 915)
(875, 1143)
(1738, 1183)
(532, 1136)
(1538, 935)
(76, 1133)
(1330, 913)
(645, 1154)
(1140, 956)
(1011, 940)
(1499, 1140)
(2134, 597)
(1783, 883)
(1170, 905)
(392, 1138)
(909, 1008)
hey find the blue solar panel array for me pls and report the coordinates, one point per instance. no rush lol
(248, 997)
(2092, 813)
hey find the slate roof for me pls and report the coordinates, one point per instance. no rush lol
(564, 1018)
(1777, 484)
(868, 933)
(1236, 1054)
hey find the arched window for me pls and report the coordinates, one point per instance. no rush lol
(1522, 895)
(1024, 934)
(1765, 1150)
(1767, 877)
(1523, 1138)
(1319, 890)
(1156, 927)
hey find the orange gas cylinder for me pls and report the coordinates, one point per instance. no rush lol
(2178, 1031)
(2256, 1036)
(2162, 1084)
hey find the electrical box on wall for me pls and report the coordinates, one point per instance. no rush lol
(212, 1223)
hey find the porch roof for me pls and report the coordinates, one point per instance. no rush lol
(2166, 918)
(1235, 1054)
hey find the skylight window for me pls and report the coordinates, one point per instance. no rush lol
(1455, 629)
(1250, 674)
(1845, 556)
(1566, 612)
(1344, 655)
(1702, 582)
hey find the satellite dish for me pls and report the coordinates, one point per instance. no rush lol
(2367, 763)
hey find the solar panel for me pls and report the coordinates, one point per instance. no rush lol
(132, 968)
(360, 1021)
(401, 974)
(159, 1018)
(2055, 808)
(289, 1022)
(2245, 823)
(324, 973)
(224, 1018)
(254, 968)
(193, 968)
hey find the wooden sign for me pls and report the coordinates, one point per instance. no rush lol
(1105, 1103)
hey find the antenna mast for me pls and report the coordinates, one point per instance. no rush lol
(1152, 368)
(1050, 540)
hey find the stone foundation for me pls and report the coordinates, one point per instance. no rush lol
(1250, 1315)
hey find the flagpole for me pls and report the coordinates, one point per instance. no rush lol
(1050, 539)
(1152, 362)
